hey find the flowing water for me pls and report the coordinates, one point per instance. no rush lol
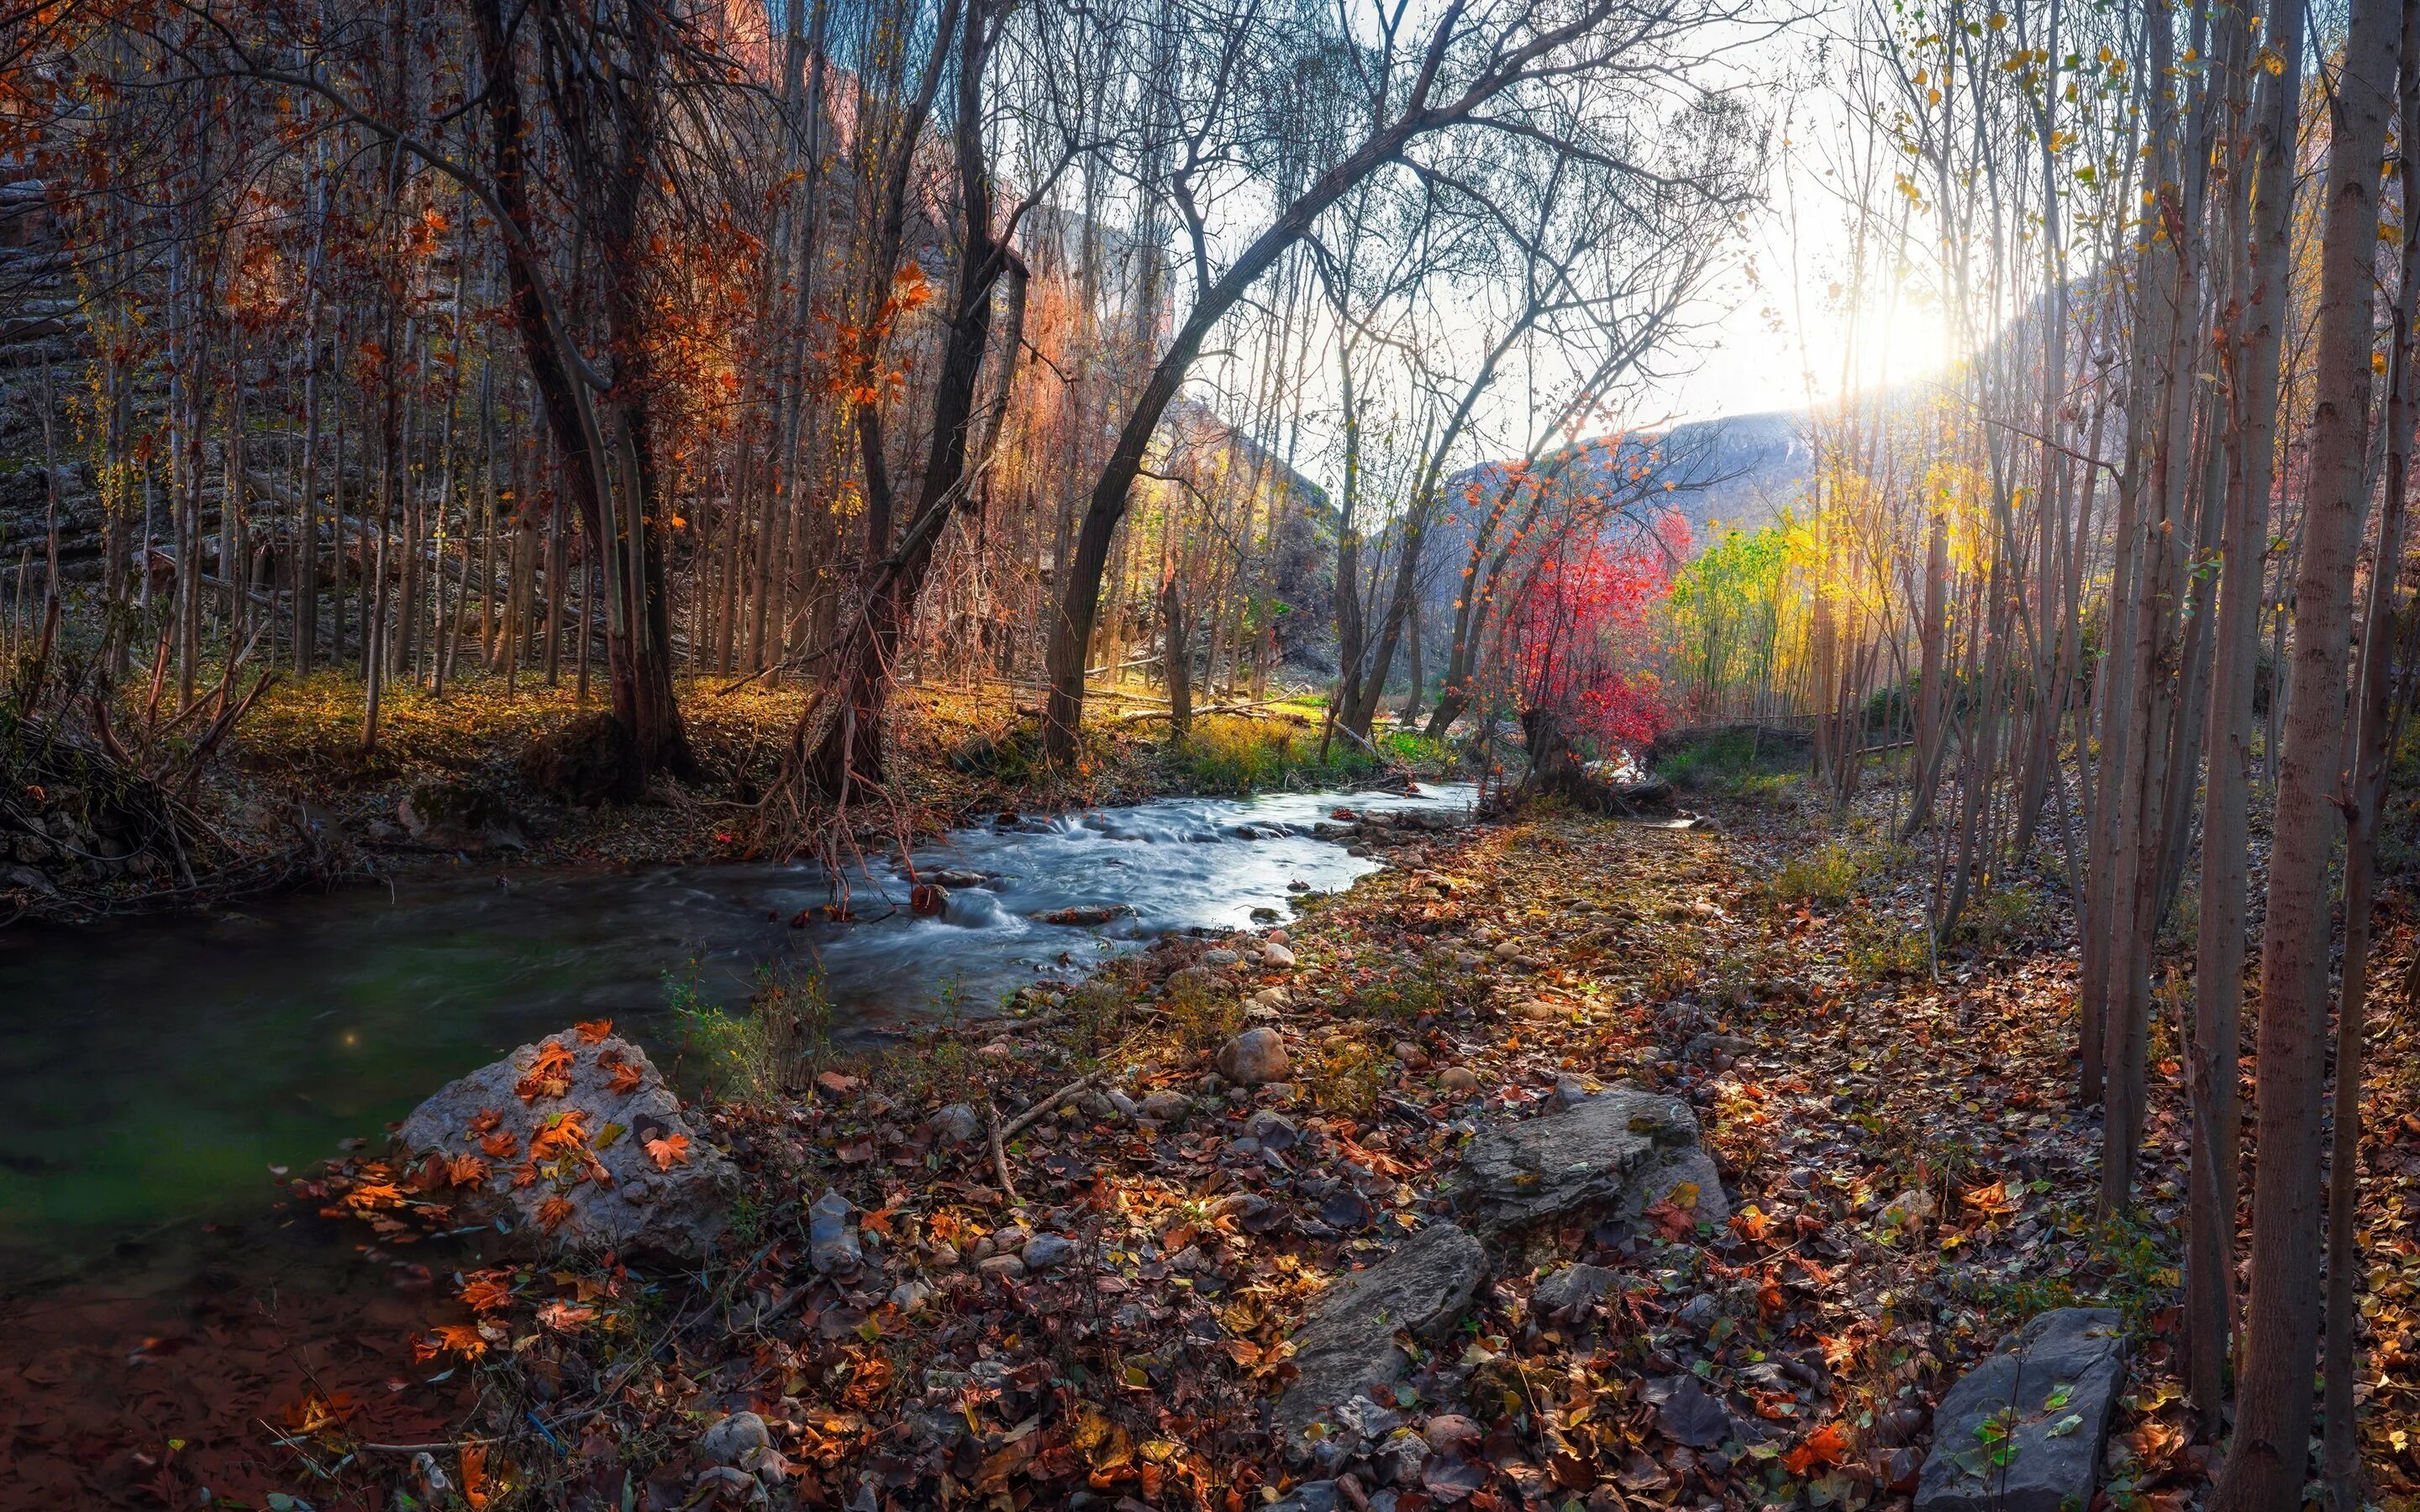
(155, 1071)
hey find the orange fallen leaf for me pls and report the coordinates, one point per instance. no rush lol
(1827, 1446)
(484, 1120)
(550, 1074)
(552, 1211)
(462, 1338)
(503, 1145)
(466, 1170)
(485, 1291)
(475, 1476)
(626, 1078)
(593, 1030)
(562, 1133)
(669, 1150)
(565, 1318)
(1750, 1223)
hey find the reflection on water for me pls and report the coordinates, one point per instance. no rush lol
(155, 1070)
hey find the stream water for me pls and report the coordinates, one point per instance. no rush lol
(154, 1072)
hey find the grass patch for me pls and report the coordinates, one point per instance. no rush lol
(1229, 753)
(1748, 762)
(1831, 874)
(766, 1050)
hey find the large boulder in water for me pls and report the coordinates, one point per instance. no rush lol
(578, 1143)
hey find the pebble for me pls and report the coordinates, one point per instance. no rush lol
(957, 1124)
(1007, 1267)
(1277, 958)
(1165, 1107)
(910, 1296)
(1045, 1251)
(1458, 1079)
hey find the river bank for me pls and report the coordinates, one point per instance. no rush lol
(1901, 1180)
(491, 776)
(1105, 1311)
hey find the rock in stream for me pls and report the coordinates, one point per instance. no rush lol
(612, 1162)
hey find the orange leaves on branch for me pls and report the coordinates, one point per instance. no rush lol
(672, 1149)
(550, 1074)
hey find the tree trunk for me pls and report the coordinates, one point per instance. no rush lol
(2269, 1456)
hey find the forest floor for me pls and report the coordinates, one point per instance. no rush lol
(1907, 1173)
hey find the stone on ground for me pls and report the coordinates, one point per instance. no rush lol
(611, 1160)
(1623, 1152)
(2023, 1431)
(1347, 1345)
(1254, 1058)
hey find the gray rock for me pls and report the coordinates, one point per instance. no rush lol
(740, 1440)
(2023, 1431)
(1574, 1286)
(1240, 1205)
(1254, 1057)
(832, 1242)
(910, 1296)
(1044, 1251)
(1221, 957)
(618, 1198)
(1165, 1107)
(1125, 1105)
(957, 1124)
(1311, 1496)
(1347, 1344)
(1273, 1130)
(1623, 1152)
(1007, 1267)
(458, 816)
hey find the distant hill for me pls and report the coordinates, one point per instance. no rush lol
(1740, 470)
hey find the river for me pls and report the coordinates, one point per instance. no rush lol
(156, 1072)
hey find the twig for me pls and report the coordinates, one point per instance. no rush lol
(1000, 1156)
(1035, 1113)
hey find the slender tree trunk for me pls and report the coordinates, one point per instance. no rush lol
(2212, 1178)
(2268, 1457)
